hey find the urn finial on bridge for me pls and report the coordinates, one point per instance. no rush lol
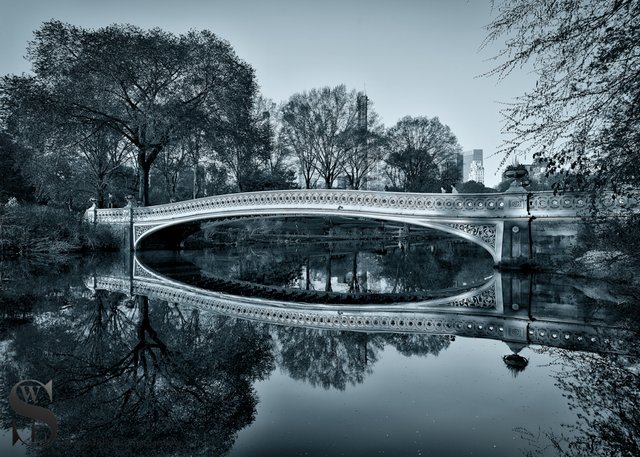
(131, 201)
(91, 214)
(520, 176)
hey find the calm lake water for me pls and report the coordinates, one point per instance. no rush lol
(356, 347)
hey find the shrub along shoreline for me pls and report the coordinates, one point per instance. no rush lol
(36, 229)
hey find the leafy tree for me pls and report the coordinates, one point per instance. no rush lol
(12, 182)
(314, 127)
(583, 115)
(261, 163)
(151, 87)
(170, 166)
(296, 136)
(419, 147)
(103, 154)
(217, 180)
(278, 172)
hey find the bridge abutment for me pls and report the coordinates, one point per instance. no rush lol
(534, 243)
(517, 244)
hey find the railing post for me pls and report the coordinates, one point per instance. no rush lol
(130, 220)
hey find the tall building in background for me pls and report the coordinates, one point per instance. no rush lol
(362, 102)
(473, 166)
(476, 172)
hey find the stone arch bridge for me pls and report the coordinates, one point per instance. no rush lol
(513, 227)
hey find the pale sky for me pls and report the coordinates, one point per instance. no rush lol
(412, 57)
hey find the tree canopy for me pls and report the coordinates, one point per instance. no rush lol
(583, 115)
(314, 127)
(419, 150)
(149, 87)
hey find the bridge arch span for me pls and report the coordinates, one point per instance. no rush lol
(501, 223)
(483, 235)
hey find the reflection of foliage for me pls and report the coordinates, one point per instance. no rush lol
(197, 386)
(413, 269)
(269, 267)
(363, 267)
(147, 377)
(428, 267)
(251, 264)
(606, 391)
(36, 283)
(327, 358)
(416, 344)
(334, 359)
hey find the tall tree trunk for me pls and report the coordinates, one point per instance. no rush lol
(100, 193)
(195, 181)
(143, 190)
(354, 286)
(327, 284)
(146, 156)
(328, 182)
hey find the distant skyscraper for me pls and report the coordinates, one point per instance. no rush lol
(362, 101)
(468, 157)
(476, 172)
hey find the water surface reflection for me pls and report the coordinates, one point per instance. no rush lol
(149, 366)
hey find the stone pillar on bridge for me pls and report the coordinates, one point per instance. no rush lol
(517, 243)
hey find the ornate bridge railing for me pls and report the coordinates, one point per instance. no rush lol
(477, 217)
(514, 204)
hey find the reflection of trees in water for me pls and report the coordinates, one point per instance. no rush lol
(605, 390)
(268, 267)
(354, 280)
(327, 358)
(252, 264)
(132, 377)
(335, 359)
(420, 345)
(138, 377)
(147, 377)
(30, 289)
(31, 284)
(415, 268)
(359, 266)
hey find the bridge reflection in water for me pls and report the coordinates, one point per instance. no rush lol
(517, 309)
